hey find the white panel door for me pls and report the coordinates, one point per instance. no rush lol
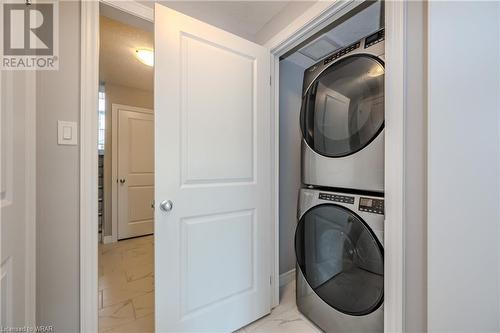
(135, 171)
(212, 113)
(17, 200)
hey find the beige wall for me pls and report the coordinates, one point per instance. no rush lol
(57, 199)
(116, 94)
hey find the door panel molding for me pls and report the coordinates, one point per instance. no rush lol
(198, 229)
(239, 166)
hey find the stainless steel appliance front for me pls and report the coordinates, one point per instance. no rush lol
(342, 118)
(340, 263)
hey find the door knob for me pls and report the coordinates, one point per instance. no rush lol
(122, 181)
(166, 205)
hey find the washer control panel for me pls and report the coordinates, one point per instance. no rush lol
(371, 205)
(336, 198)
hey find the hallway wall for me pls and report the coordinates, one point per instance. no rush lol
(463, 167)
(58, 236)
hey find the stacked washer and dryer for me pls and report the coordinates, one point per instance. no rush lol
(340, 233)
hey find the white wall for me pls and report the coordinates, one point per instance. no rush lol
(290, 85)
(415, 320)
(463, 167)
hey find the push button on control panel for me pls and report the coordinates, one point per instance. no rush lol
(341, 53)
(371, 205)
(336, 198)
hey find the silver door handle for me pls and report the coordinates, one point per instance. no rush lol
(122, 181)
(166, 205)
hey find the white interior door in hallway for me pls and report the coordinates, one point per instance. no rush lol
(135, 170)
(213, 169)
(17, 199)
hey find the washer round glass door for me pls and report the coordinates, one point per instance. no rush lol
(341, 259)
(343, 109)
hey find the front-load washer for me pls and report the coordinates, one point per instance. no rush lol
(342, 118)
(340, 260)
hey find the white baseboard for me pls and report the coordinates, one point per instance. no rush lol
(287, 277)
(107, 239)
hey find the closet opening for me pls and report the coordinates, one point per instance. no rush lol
(331, 171)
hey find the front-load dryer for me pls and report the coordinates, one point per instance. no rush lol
(340, 261)
(342, 118)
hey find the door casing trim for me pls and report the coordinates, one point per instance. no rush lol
(89, 87)
(89, 76)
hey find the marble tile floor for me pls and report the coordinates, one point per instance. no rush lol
(126, 286)
(126, 293)
(283, 318)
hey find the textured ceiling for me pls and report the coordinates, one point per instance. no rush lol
(243, 18)
(117, 61)
(122, 33)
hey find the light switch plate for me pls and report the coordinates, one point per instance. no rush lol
(67, 133)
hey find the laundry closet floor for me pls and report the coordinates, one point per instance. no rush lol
(283, 318)
(126, 293)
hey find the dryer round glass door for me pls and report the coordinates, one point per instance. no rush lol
(343, 109)
(341, 259)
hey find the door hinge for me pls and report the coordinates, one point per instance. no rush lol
(270, 279)
(270, 80)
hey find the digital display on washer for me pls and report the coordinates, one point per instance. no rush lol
(371, 205)
(374, 39)
(366, 202)
(371, 39)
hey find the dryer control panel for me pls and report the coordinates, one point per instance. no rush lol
(341, 53)
(336, 198)
(371, 205)
(375, 38)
